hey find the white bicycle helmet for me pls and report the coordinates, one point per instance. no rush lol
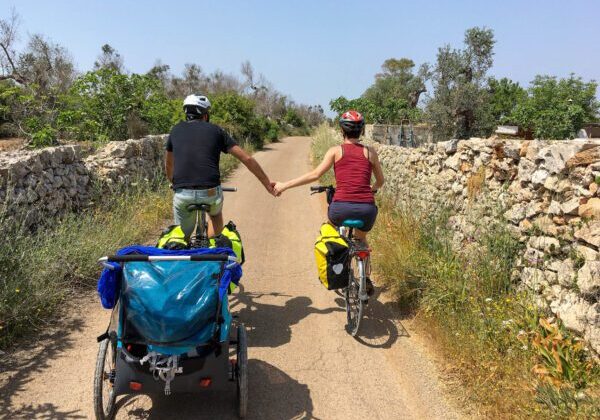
(196, 104)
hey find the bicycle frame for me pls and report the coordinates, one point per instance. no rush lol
(201, 239)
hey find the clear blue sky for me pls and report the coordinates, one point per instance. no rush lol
(318, 50)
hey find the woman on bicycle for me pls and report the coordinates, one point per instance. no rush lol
(353, 164)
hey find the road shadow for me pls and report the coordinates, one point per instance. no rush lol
(272, 395)
(270, 325)
(29, 358)
(381, 325)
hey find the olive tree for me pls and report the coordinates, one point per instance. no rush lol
(457, 108)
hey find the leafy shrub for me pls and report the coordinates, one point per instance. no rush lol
(107, 105)
(43, 137)
(236, 114)
(391, 111)
(293, 118)
(556, 108)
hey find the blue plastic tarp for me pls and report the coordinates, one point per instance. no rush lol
(172, 302)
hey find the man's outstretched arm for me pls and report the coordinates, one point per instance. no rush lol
(169, 165)
(254, 167)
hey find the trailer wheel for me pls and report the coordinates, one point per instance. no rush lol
(104, 393)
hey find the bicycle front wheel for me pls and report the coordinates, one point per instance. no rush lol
(354, 304)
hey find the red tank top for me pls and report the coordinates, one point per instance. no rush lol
(353, 175)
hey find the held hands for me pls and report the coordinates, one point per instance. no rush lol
(279, 188)
(270, 188)
(275, 188)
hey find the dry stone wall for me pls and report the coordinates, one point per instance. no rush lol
(546, 192)
(37, 186)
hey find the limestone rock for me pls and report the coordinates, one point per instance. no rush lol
(453, 162)
(545, 243)
(526, 169)
(565, 273)
(585, 157)
(590, 233)
(534, 278)
(555, 156)
(539, 177)
(571, 206)
(591, 209)
(555, 209)
(451, 146)
(546, 225)
(572, 310)
(587, 253)
(588, 278)
(533, 209)
(516, 213)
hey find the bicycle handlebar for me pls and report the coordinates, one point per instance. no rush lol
(320, 188)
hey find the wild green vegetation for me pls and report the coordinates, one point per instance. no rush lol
(44, 99)
(464, 101)
(516, 361)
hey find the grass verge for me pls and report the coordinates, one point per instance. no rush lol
(511, 359)
(40, 271)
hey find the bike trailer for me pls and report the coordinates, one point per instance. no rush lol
(332, 255)
(171, 326)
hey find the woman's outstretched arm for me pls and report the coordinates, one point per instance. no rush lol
(311, 176)
(377, 171)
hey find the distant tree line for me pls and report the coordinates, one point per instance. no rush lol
(45, 99)
(463, 101)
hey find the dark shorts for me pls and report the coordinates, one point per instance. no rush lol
(342, 210)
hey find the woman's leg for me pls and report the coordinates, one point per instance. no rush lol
(362, 237)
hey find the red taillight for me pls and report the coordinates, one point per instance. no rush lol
(363, 254)
(205, 382)
(135, 386)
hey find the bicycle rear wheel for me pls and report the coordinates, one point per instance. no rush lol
(354, 305)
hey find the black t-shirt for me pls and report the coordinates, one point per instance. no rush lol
(197, 147)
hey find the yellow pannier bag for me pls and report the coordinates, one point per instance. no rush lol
(172, 238)
(230, 238)
(333, 258)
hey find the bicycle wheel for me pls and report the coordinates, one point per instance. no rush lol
(104, 395)
(354, 305)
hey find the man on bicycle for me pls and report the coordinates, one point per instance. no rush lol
(192, 158)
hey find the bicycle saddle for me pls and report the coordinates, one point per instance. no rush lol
(353, 223)
(196, 207)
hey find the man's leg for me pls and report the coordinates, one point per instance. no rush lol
(215, 226)
(184, 218)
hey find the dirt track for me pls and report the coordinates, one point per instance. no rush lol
(302, 362)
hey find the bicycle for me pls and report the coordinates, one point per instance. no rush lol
(355, 293)
(201, 239)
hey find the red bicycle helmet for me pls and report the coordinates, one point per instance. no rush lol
(352, 121)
